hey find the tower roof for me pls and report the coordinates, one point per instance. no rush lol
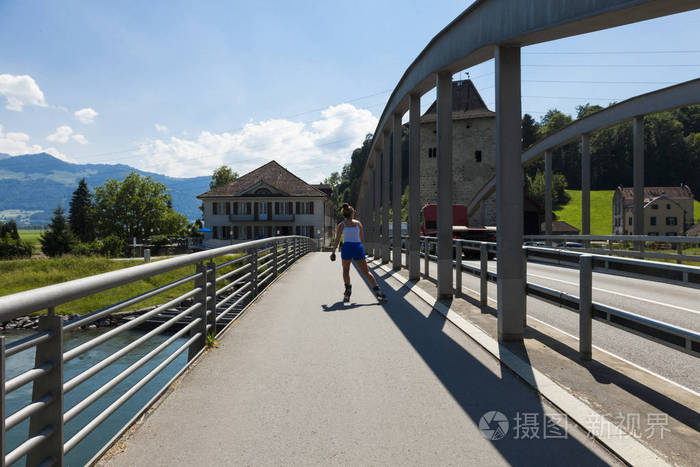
(466, 103)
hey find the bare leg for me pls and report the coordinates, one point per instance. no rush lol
(346, 271)
(362, 264)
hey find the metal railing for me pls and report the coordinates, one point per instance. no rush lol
(219, 292)
(675, 337)
(614, 245)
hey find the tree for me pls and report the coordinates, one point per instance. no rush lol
(79, 217)
(58, 239)
(9, 229)
(11, 246)
(135, 207)
(222, 176)
(529, 128)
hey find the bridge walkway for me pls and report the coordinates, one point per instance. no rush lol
(304, 379)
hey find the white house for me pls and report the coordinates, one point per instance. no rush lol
(267, 202)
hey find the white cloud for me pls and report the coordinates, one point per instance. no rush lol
(17, 144)
(310, 150)
(86, 115)
(61, 135)
(20, 90)
(161, 128)
(79, 139)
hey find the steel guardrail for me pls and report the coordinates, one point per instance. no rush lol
(204, 309)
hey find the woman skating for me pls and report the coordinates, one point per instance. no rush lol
(353, 250)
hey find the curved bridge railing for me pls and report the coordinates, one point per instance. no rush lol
(487, 29)
(224, 282)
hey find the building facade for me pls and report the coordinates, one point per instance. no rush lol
(668, 211)
(473, 151)
(270, 201)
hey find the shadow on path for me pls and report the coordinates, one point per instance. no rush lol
(531, 434)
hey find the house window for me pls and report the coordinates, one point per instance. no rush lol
(248, 208)
(668, 206)
(215, 209)
(654, 234)
(655, 206)
(305, 207)
(652, 221)
(432, 153)
(671, 234)
(477, 156)
(235, 232)
(671, 221)
(249, 232)
(263, 191)
(629, 221)
(215, 232)
(263, 208)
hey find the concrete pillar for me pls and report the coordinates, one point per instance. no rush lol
(414, 187)
(638, 155)
(386, 204)
(369, 227)
(444, 183)
(548, 194)
(377, 205)
(396, 196)
(509, 195)
(586, 186)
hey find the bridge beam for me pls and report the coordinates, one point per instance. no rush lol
(414, 187)
(586, 185)
(547, 194)
(377, 205)
(444, 183)
(638, 164)
(509, 196)
(386, 204)
(396, 188)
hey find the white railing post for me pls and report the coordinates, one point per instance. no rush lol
(275, 260)
(484, 277)
(427, 258)
(50, 418)
(211, 297)
(585, 306)
(200, 282)
(458, 258)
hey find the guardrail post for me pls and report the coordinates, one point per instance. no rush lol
(679, 251)
(50, 351)
(427, 259)
(211, 295)
(147, 255)
(458, 277)
(201, 297)
(275, 266)
(484, 276)
(286, 253)
(254, 271)
(585, 306)
(525, 252)
(3, 448)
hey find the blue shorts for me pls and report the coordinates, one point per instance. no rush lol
(352, 250)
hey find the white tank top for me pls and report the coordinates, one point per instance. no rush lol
(351, 234)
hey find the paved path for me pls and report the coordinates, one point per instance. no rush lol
(303, 379)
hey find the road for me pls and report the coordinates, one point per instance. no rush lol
(669, 303)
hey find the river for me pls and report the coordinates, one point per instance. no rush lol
(89, 446)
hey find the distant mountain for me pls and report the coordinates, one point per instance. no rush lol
(32, 185)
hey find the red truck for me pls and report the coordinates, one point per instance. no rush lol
(460, 225)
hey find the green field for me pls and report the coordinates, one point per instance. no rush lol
(31, 237)
(19, 275)
(601, 211)
(696, 210)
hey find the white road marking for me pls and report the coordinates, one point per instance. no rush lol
(620, 294)
(529, 316)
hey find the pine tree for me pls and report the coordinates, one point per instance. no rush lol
(58, 239)
(80, 213)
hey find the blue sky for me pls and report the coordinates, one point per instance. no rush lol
(181, 87)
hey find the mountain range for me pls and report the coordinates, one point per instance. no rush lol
(33, 185)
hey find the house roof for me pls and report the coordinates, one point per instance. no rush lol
(272, 175)
(560, 227)
(466, 103)
(652, 192)
(693, 231)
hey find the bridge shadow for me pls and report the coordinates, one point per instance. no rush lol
(479, 388)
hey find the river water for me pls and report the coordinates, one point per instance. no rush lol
(89, 446)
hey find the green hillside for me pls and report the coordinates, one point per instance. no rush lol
(601, 211)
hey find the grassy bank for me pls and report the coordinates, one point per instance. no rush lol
(31, 237)
(20, 275)
(601, 211)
